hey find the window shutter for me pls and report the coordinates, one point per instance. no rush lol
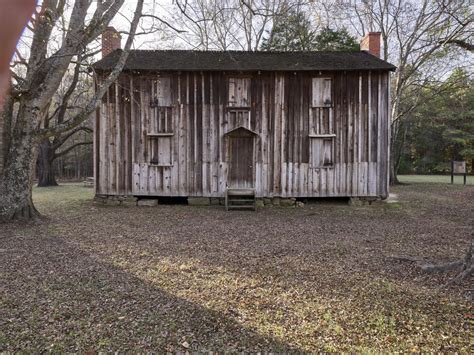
(160, 150)
(322, 92)
(322, 152)
(163, 91)
(239, 92)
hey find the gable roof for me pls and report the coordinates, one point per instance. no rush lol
(187, 60)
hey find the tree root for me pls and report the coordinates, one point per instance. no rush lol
(465, 266)
(26, 212)
(442, 267)
(406, 258)
(460, 276)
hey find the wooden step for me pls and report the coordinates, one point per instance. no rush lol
(240, 192)
(240, 199)
(241, 207)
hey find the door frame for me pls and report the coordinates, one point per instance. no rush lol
(234, 133)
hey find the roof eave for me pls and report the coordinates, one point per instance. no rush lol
(101, 69)
(106, 64)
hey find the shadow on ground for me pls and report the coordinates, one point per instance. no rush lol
(56, 297)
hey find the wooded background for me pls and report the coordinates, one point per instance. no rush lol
(429, 41)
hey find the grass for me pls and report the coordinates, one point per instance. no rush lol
(435, 179)
(66, 194)
(92, 278)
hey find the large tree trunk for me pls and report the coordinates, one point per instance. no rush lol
(393, 175)
(16, 180)
(46, 176)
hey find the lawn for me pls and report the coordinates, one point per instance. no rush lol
(179, 278)
(438, 179)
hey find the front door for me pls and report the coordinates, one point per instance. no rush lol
(241, 159)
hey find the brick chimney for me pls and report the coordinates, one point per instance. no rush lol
(371, 43)
(111, 40)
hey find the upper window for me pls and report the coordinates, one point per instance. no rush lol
(160, 134)
(321, 120)
(239, 92)
(322, 92)
(161, 92)
(161, 106)
(322, 137)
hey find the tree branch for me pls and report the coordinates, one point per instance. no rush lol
(460, 43)
(61, 140)
(64, 152)
(165, 22)
(94, 103)
(69, 91)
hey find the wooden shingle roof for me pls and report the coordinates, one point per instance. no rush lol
(187, 60)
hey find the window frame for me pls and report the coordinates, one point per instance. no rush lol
(156, 137)
(163, 109)
(324, 103)
(322, 137)
(239, 105)
(155, 99)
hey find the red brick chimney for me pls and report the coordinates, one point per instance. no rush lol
(371, 43)
(111, 40)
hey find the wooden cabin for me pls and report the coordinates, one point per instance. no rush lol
(282, 124)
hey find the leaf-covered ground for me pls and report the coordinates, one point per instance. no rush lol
(177, 278)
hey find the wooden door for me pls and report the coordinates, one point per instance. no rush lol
(241, 161)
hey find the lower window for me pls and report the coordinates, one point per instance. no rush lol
(321, 151)
(159, 148)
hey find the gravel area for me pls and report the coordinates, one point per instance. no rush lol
(180, 278)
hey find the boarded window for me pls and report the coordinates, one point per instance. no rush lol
(239, 92)
(161, 120)
(321, 151)
(322, 120)
(159, 148)
(321, 124)
(161, 92)
(322, 92)
(161, 106)
(239, 118)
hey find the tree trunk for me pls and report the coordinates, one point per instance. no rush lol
(398, 136)
(16, 180)
(393, 175)
(46, 176)
(394, 161)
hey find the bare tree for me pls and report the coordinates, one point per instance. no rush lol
(28, 105)
(74, 92)
(228, 24)
(414, 38)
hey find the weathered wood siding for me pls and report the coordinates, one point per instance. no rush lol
(334, 144)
